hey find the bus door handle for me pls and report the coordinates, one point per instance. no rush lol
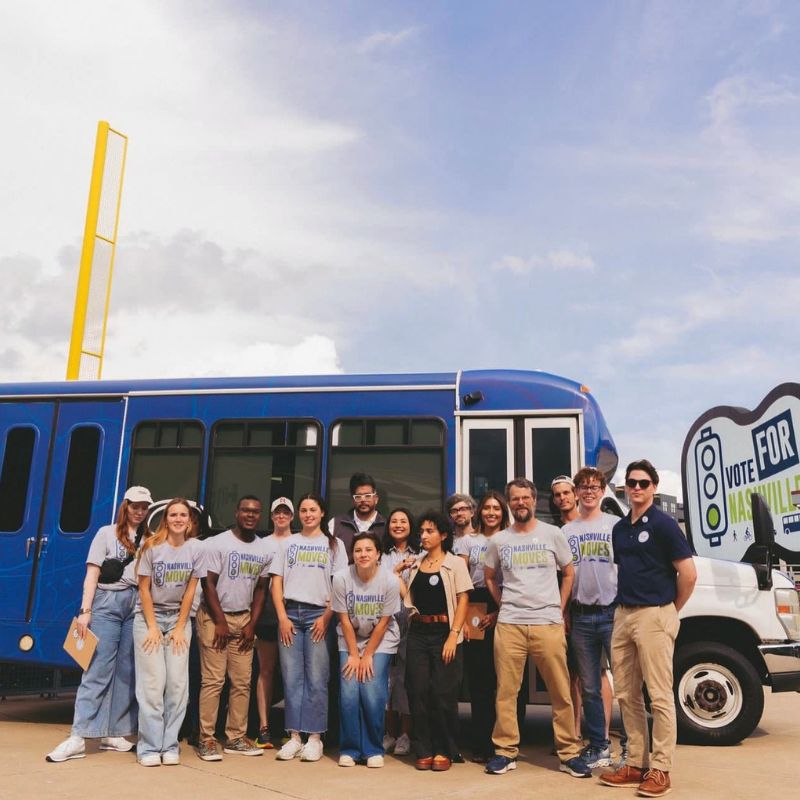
(31, 540)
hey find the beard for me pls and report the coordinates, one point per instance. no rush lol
(522, 514)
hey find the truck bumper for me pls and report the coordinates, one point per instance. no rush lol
(783, 665)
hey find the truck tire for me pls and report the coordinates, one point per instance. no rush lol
(718, 694)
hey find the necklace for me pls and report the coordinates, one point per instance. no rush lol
(432, 562)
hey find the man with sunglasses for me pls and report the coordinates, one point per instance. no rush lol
(655, 578)
(592, 609)
(363, 517)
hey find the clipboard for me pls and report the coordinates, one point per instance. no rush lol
(475, 613)
(81, 650)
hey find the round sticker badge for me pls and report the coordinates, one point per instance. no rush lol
(475, 621)
(433, 580)
(644, 536)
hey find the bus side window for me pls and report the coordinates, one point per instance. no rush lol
(265, 458)
(15, 477)
(404, 456)
(80, 479)
(166, 457)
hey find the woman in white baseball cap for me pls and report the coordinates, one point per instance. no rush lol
(105, 705)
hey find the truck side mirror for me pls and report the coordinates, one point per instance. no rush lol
(764, 536)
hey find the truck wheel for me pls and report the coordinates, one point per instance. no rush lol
(718, 694)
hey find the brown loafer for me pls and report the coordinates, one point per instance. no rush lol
(441, 764)
(424, 763)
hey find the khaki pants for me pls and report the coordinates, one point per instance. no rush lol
(548, 646)
(641, 652)
(214, 665)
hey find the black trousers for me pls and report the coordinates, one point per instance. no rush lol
(432, 688)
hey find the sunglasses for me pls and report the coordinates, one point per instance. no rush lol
(632, 483)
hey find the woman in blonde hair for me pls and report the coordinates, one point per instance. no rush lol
(105, 705)
(168, 568)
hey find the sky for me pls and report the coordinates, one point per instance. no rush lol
(606, 191)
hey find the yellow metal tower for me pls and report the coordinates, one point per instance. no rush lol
(87, 343)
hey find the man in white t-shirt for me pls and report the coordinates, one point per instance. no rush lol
(592, 607)
(235, 569)
(531, 623)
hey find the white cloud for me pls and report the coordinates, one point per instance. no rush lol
(558, 260)
(382, 40)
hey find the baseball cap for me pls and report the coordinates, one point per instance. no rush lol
(138, 494)
(281, 501)
(562, 479)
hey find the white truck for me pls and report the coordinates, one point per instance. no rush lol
(740, 630)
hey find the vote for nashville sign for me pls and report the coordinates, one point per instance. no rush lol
(730, 453)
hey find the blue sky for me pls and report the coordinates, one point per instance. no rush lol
(605, 191)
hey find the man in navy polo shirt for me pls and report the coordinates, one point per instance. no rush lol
(655, 578)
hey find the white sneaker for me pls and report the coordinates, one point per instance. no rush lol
(346, 761)
(375, 761)
(73, 747)
(170, 759)
(290, 750)
(118, 743)
(151, 760)
(403, 746)
(389, 742)
(312, 750)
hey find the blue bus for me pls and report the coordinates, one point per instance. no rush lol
(69, 450)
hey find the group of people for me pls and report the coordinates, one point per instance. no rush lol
(401, 606)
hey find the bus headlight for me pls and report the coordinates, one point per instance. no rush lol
(787, 606)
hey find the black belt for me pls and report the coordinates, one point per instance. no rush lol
(580, 608)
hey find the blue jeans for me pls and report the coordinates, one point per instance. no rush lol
(105, 704)
(162, 686)
(362, 707)
(590, 634)
(305, 666)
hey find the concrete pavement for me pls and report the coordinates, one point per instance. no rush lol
(762, 766)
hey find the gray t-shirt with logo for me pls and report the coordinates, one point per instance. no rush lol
(473, 546)
(307, 564)
(106, 545)
(365, 604)
(529, 564)
(239, 565)
(593, 558)
(170, 569)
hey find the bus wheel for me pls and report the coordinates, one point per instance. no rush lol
(718, 694)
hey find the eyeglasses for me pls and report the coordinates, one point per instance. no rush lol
(459, 509)
(632, 483)
(367, 496)
(281, 512)
(594, 489)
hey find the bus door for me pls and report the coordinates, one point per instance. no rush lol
(79, 498)
(25, 435)
(495, 450)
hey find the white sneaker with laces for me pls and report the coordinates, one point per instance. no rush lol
(290, 750)
(151, 760)
(346, 761)
(375, 761)
(117, 743)
(389, 742)
(312, 750)
(74, 747)
(170, 759)
(403, 745)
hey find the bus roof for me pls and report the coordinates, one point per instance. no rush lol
(546, 385)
